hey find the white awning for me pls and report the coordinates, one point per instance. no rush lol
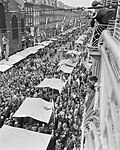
(87, 65)
(36, 108)
(40, 46)
(4, 68)
(53, 83)
(79, 42)
(30, 50)
(68, 62)
(67, 31)
(66, 69)
(33, 50)
(62, 62)
(81, 39)
(14, 59)
(46, 43)
(73, 52)
(12, 138)
(21, 55)
(53, 39)
(24, 53)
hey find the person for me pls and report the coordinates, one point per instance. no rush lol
(23, 42)
(5, 52)
(58, 145)
(100, 21)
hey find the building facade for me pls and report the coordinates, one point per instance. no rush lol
(12, 27)
(39, 20)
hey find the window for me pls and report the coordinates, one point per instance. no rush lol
(31, 10)
(14, 27)
(2, 18)
(26, 22)
(31, 21)
(22, 25)
(26, 10)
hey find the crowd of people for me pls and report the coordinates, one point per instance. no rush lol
(21, 80)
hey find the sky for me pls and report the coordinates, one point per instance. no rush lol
(77, 3)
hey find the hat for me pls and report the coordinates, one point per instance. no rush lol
(95, 3)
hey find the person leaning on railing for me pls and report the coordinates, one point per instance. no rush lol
(100, 21)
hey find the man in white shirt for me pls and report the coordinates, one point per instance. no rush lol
(6, 46)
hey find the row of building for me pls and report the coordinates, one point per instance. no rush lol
(22, 20)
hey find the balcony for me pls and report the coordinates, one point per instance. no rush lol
(96, 41)
(101, 130)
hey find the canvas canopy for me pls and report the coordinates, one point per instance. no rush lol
(33, 50)
(53, 83)
(24, 53)
(40, 46)
(12, 138)
(62, 62)
(53, 39)
(73, 52)
(46, 43)
(13, 59)
(68, 31)
(87, 65)
(71, 64)
(66, 69)
(79, 42)
(81, 39)
(4, 68)
(21, 55)
(68, 62)
(36, 108)
(30, 50)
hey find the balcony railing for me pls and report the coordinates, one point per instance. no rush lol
(114, 53)
(106, 134)
(95, 40)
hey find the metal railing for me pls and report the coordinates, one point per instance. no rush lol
(96, 33)
(114, 52)
(106, 100)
